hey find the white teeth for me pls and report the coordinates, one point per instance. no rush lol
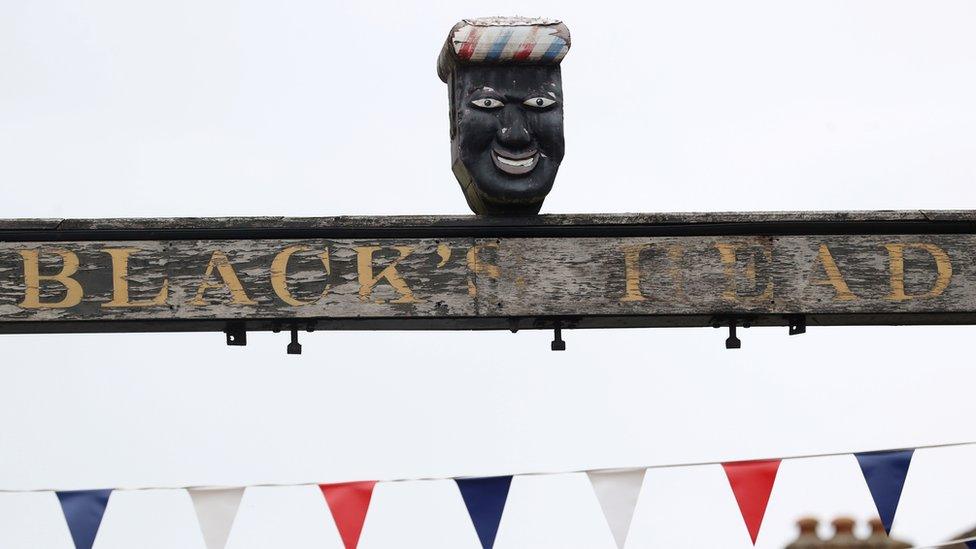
(517, 163)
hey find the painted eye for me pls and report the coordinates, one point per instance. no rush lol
(487, 103)
(539, 102)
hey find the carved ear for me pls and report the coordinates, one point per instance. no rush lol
(452, 97)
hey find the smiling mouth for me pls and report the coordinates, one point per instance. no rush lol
(515, 163)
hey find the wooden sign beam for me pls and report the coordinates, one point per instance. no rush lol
(582, 271)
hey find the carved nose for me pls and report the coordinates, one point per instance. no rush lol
(514, 132)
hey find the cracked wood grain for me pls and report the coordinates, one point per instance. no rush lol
(476, 277)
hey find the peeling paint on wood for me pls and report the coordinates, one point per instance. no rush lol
(690, 279)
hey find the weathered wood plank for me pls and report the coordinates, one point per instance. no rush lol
(551, 220)
(479, 282)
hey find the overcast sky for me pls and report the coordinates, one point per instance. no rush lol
(182, 108)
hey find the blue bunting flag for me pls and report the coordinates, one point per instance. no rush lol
(885, 473)
(485, 499)
(83, 510)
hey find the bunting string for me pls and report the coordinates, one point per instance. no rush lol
(970, 541)
(530, 473)
(617, 491)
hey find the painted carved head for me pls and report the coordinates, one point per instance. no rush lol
(505, 91)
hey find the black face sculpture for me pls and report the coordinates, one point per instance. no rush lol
(506, 135)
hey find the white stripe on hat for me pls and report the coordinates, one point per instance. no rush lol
(487, 38)
(519, 35)
(460, 37)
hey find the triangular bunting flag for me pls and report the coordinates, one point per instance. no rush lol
(485, 499)
(617, 492)
(216, 509)
(83, 510)
(752, 483)
(349, 502)
(885, 474)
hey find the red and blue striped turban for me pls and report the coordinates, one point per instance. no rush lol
(504, 40)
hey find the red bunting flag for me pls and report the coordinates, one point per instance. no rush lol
(349, 502)
(752, 482)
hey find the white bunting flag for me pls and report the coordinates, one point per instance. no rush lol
(216, 509)
(617, 492)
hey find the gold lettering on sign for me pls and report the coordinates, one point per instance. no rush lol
(632, 272)
(896, 258)
(841, 291)
(728, 253)
(33, 279)
(367, 280)
(219, 261)
(279, 276)
(444, 252)
(120, 282)
(476, 266)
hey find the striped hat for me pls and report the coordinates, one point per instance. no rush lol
(501, 40)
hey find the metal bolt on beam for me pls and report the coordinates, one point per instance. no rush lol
(798, 325)
(557, 343)
(236, 335)
(732, 342)
(294, 348)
